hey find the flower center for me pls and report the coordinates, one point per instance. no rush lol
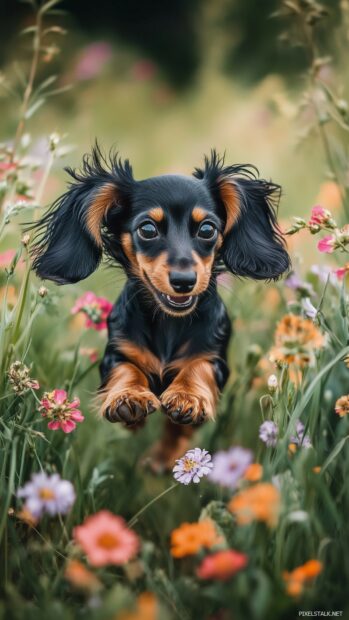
(188, 464)
(108, 541)
(46, 493)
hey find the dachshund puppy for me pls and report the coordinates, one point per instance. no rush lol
(168, 330)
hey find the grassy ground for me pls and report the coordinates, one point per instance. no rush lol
(300, 512)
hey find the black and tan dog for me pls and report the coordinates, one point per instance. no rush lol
(169, 330)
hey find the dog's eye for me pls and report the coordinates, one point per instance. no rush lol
(207, 231)
(147, 231)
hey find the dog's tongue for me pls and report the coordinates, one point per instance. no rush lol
(179, 299)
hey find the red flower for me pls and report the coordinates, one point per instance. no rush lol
(222, 565)
(342, 271)
(62, 414)
(96, 309)
(319, 216)
(106, 539)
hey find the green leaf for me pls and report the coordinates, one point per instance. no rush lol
(336, 450)
(34, 107)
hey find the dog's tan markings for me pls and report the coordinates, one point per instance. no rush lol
(157, 214)
(126, 244)
(194, 390)
(127, 383)
(98, 209)
(140, 357)
(231, 201)
(198, 214)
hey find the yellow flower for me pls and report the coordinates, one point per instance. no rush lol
(342, 406)
(296, 340)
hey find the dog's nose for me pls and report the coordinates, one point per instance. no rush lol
(182, 281)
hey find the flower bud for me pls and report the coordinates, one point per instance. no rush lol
(272, 383)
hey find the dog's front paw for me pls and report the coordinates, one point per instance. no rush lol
(185, 408)
(129, 406)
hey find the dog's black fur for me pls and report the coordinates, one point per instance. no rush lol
(165, 347)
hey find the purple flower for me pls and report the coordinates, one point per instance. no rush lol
(268, 433)
(309, 310)
(229, 466)
(299, 438)
(47, 494)
(296, 284)
(192, 466)
(92, 60)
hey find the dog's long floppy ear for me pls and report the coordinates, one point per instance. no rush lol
(253, 245)
(68, 243)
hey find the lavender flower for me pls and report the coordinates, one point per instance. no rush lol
(47, 494)
(309, 310)
(229, 466)
(192, 466)
(268, 433)
(295, 283)
(300, 439)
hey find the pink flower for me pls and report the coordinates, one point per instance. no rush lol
(342, 271)
(106, 539)
(62, 414)
(319, 216)
(6, 166)
(96, 309)
(222, 565)
(92, 60)
(326, 244)
(7, 257)
(90, 352)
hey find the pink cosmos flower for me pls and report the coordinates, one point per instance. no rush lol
(326, 244)
(96, 309)
(319, 216)
(6, 258)
(342, 271)
(62, 414)
(106, 539)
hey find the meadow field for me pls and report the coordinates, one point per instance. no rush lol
(258, 528)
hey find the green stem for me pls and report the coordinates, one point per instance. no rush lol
(134, 519)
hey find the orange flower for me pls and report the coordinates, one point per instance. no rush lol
(189, 538)
(222, 565)
(260, 502)
(146, 609)
(80, 577)
(342, 406)
(296, 339)
(254, 472)
(316, 469)
(300, 576)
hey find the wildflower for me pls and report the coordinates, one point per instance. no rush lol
(294, 283)
(62, 414)
(229, 466)
(47, 494)
(96, 309)
(254, 472)
(43, 291)
(300, 439)
(296, 340)
(20, 380)
(222, 565)
(192, 466)
(26, 517)
(316, 469)
(320, 217)
(260, 502)
(92, 60)
(309, 310)
(268, 433)
(90, 352)
(342, 271)
(272, 383)
(146, 608)
(6, 258)
(106, 539)
(81, 577)
(327, 244)
(190, 538)
(342, 406)
(300, 576)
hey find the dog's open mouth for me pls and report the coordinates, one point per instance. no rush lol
(179, 302)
